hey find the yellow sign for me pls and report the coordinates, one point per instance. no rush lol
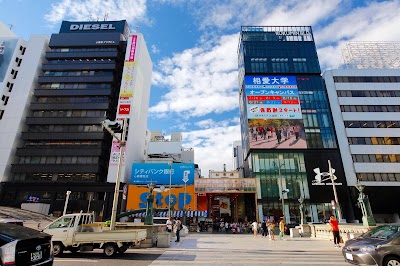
(137, 198)
(127, 80)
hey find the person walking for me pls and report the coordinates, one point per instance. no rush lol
(281, 229)
(264, 228)
(271, 228)
(169, 224)
(178, 228)
(335, 230)
(254, 226)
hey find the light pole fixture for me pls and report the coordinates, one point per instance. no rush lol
(363, 201)
(301, 201)
(114, 127)
(66, 202)
(329, 176)
(149, 208)
(169, 191)
(283, 191)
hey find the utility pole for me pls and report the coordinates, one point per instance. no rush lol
(114, 127)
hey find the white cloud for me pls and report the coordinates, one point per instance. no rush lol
(202, 80)
(132, 11)
(213, 147)
(154, 49)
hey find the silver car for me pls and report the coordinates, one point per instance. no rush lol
(379, 246)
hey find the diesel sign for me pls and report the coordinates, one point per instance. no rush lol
(74, 27)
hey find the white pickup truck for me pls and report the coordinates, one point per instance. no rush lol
(78, 232)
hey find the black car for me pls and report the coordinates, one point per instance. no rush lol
(24, 246)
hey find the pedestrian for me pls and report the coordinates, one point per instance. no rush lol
(296, 131)
(226, 227)
(281, 229)
(178, 228)
(264, 228)
(335, 230)
(168, 224)
(278, 132)
(271, 228)
(254, 226)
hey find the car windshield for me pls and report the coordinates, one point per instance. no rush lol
(382, 232)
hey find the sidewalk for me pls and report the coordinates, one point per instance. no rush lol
(231, 249)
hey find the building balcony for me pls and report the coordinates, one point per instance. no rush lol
(76, 79)
(52, 151)
(81, 55)
(62, 136)
(69, 106)
(55, 168)
(64, 120)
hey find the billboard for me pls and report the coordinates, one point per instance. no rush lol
(274, 113)
(7, 47)
(137, 197)
(159, 173)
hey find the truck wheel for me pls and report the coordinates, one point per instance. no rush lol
(123, 249)
(58, 249)
(110, 249)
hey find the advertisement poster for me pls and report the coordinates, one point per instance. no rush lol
(159, 173)
(274, 113)
(114, 157)
(225, 205)
(137, 197)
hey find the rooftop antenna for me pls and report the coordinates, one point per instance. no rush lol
(11, 26)
(137, 28)
(105, 16)
(90, 17)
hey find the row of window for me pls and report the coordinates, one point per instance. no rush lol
(62, 143)
(65, 128)
(58, 160)
(70, 113)
(84, 49)
(376, 158)
(79, 61)
(368, 93)
(75, 86)
(56, 177)
(378, 176)
(372, 124)
(366, 79)
(374, 141)
(94, 99)
(77, 73)
(370, 108)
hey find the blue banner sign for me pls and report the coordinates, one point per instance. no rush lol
(270, 82)
(159, 173)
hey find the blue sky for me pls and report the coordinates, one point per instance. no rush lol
(193, 46)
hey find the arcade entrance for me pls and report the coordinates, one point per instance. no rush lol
(228, 199)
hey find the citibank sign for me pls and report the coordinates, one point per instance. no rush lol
(77, 27)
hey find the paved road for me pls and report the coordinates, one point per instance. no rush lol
(221, 249)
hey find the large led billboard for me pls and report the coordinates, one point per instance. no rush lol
(274, 113)
(159, 173)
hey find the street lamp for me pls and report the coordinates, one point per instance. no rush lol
(113, 127)
(283, 191)
(330, 176)
(301, 201)
(149, 209)
(185, 179)
(170, 185)
(363, 201)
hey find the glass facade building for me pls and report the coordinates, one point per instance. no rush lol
(286, 124)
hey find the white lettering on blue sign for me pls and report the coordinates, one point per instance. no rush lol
(75, 27)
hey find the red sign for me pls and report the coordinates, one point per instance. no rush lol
(124, 109)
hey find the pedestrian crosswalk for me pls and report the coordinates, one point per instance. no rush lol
(221, 249)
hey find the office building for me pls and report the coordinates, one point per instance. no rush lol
(365, 101)
(20, 63)
(286, 126)
(63, 145)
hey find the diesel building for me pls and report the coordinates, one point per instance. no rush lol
(64, 147)
(286, 126)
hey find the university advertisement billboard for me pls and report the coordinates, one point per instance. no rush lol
(159, 173)
(274, 113)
